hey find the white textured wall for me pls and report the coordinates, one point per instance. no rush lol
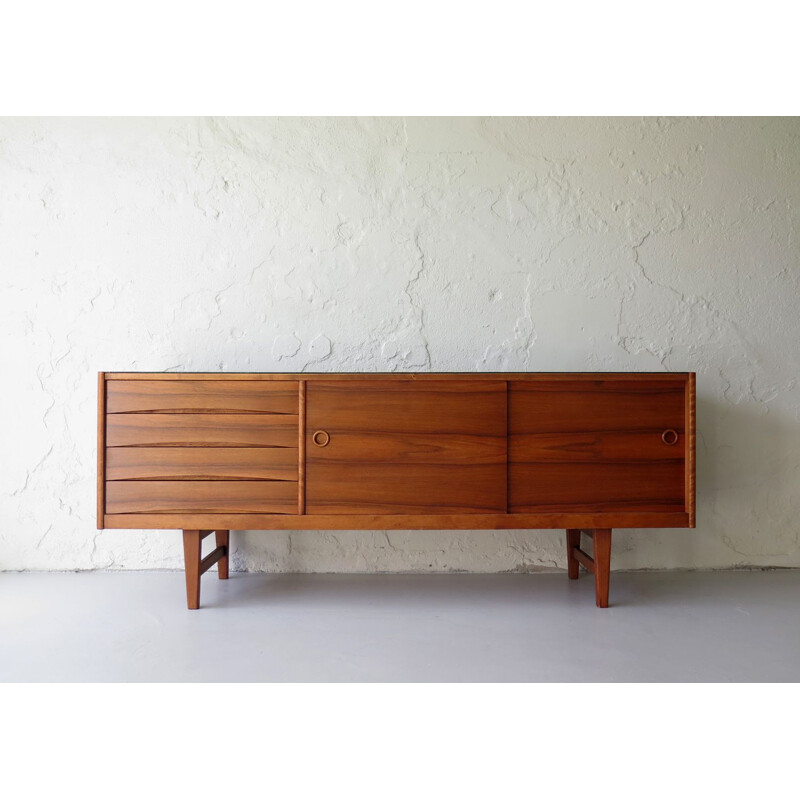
(410, 245)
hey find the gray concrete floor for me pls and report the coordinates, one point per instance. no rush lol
(133, 626)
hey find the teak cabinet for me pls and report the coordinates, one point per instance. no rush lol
(206, 453)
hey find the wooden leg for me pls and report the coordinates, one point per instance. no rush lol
(191, 554)
(602, 565)
(573, 540)
(196, 565)
(223, 539)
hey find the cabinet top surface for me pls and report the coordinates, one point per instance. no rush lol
(276, 376)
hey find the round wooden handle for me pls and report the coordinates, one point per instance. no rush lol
(320, 438)
(670, 436)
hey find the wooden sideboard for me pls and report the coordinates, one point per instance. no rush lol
(210, 452)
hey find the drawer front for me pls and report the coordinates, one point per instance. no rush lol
(597, 445)
(193, 430)
(201, 497)
(201, 463)
(405, 447)
(201, 446)
(270, 397)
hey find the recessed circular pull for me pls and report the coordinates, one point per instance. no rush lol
(320, 438)
(669, 436)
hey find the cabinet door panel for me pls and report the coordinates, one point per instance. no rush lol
(402, 488)
(572, 406)
(406, 406)
(596, 445)
(401, 447)
(593, 487)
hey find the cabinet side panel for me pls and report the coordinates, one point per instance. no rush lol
(691, 445)
(301, 449)
(101, 448)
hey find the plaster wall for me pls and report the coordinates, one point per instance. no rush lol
(416, 244)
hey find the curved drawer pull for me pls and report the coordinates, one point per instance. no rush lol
(320, 438)
(670, 436)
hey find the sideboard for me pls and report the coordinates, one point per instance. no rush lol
(209, 452)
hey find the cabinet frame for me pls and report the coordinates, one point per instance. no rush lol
(197, 522)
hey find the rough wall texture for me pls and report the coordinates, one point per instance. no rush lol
(409, 245)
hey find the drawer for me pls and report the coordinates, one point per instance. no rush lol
(193, 430)
(201, 463)
(201, 497)
(271, 397)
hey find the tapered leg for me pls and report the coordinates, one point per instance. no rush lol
(223, 537)
(191, 553)
(602, 565)
(573, 540)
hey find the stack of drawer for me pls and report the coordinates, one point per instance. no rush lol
(202, 446)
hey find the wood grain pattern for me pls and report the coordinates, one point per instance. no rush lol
(591, 487)
(376, 447)
(582, 377)
(583, 559)
(542, 406)
(201, 463)
(217, 554)
(691, 447)
(231, 430)
(398, 447)
(101, 447)
(375, 488)
(403, 522)
(211, 452)
(596, 446)
(192, 540)
(301, 446)
(573, 541)
(202, 497)
(202, 395)
(223, 540)
(583, 446)
(631, 446)
(466, 407)
(601, 553)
